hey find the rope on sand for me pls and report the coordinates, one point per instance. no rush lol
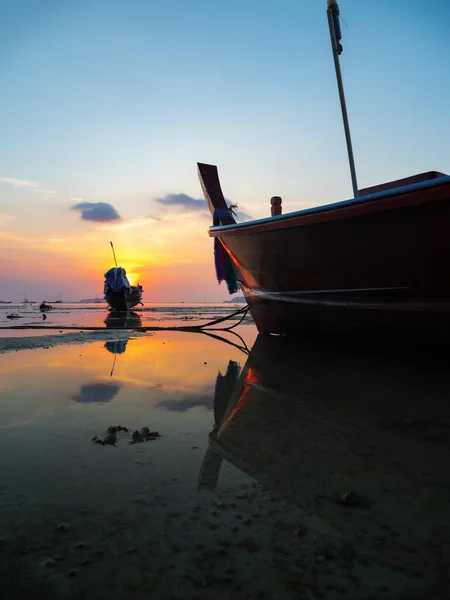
(205, 327)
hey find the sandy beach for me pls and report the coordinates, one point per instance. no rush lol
(287, 472)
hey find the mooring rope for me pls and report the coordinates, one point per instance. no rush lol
(143, 328)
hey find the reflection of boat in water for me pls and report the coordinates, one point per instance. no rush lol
(335, 432)
(225, 385)
(289, 395)
(120, 320)
(123, 320)
(116, 346)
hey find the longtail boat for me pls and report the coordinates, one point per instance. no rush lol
(118, 292)
(378, 262)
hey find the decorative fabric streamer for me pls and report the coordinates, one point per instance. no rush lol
(222, 260)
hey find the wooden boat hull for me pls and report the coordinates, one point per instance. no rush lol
(122, 301)
(380, 263)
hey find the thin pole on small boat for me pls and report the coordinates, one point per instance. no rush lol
(115, 261)
(335, 34)
(114, 254)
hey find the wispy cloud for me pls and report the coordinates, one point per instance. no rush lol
(19, 183)
(183, 201)
(100, 212)
(43, 191)
(59, 240)
(32, 186)
(4, 218)
(242, 214)
(189, 204)
(134, 223)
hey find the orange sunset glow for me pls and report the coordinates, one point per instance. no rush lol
(172, 263)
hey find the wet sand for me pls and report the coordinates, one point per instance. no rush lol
(295, 472)
(48, 340)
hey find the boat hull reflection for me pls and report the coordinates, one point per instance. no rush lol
(123, 320)
(315, 425)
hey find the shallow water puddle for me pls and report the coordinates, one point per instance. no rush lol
(289, 471)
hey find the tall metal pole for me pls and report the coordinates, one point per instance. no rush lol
(335, 34)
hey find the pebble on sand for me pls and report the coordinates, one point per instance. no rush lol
(144, 435)
(72, 572)
(109, 439)
(115, 428)
(352, 499)
(47, 562)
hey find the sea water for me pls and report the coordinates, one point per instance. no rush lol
(282, 469)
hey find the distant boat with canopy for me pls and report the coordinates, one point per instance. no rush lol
(118, 292)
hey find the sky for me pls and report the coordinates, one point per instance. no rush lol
(106, 106)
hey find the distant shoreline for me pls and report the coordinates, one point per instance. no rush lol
(236, 300)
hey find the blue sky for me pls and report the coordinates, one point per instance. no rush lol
(115, 101)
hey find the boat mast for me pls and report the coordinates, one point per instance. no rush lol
(114, 254)
(335, 34)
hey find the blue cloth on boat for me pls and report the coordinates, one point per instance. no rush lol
(220, 213)
(116, 280)
(222, 260)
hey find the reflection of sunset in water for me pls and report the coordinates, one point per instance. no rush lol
(166, 364)
(284, 441)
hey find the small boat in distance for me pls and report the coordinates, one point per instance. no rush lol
(119, 293)
(44, 306)
(374, 264)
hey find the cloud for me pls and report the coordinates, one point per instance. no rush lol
(242, 214)
(19, 183)
(32, 186)
(100, 212)
(203, 398)
(194, 205)
(97, 392)
(4, 218)
(184, 201)
(59, 240)
(134, 223)
(43, 191)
